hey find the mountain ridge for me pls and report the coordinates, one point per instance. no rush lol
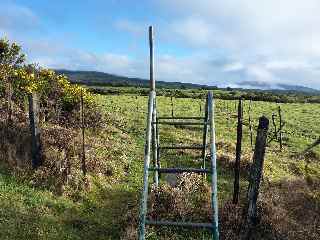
(96, 78)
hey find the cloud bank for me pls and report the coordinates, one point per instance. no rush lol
(225, 42)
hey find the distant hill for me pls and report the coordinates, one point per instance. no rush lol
(298, 88)
(94, 78)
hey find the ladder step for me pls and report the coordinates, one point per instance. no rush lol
(196, 118)
(179, 224)
(181, 147)
(179, 170)
(179, 123)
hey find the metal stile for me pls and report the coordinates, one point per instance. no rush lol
(152, 147)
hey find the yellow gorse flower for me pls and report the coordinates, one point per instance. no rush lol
(36, 82)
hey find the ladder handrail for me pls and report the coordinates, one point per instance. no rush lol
(214, 183)
(147, 153)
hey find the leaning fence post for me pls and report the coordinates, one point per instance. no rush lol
(236, 188)
(35, 130)
(255, 175)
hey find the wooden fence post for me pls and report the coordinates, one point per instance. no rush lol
(255, 175)
(35, 130)
(172, 114)
(236, 187)
(250, 125)
(280, 127)
(83, 159)
(137, 103)
(274, 126)
(9, 102)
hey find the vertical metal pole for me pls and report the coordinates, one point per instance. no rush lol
(147, 150)
(205, 132)
(214, 183)
(152, 80)
(154, 118)
(154, 142)
(158, 143)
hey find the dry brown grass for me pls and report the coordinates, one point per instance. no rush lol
(289, 210)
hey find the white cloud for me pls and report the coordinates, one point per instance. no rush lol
(262, 36)
(229, 41)
(15, 18)
(137, 29)
(193, 30)
(231, 67)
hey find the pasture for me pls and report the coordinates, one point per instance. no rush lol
(109, 207)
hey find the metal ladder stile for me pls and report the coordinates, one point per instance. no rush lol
(154, 134)
(152, 149)
(147, 151)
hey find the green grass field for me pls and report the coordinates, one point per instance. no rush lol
(108, 209)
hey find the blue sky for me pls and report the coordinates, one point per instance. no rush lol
(233, 43)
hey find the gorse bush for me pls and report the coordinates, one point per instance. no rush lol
(60, 117)
(18, 80)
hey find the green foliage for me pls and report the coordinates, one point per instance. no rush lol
(17, 80)
(10, 58)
